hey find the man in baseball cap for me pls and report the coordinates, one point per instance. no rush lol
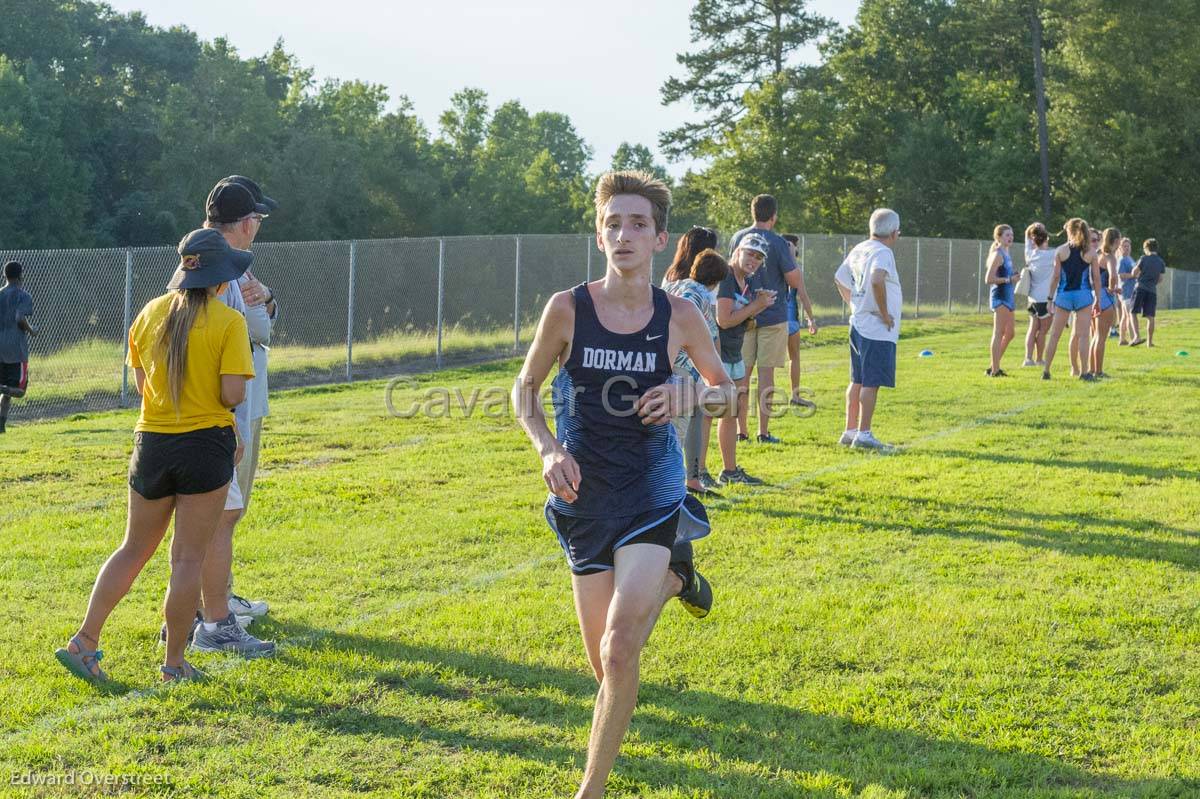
(236, 208)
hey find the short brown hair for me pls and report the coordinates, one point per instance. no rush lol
(1150, 245)
(642, 184)
(709, 267)
(763, 207)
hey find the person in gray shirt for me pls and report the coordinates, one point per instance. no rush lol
(236, 208)
(16, 306)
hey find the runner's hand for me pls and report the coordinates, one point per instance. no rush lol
(659, 404)
(812, 326)
(561, 473)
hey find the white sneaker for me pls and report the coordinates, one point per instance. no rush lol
(864, 440)
(847, 438)
(247, 607)
(1029, 362)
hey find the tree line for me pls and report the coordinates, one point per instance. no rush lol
(932, 107)
(113, 130)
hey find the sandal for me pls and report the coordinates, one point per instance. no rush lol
(82, 662)
(183, 672)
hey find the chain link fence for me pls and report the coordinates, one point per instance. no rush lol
(362, 309)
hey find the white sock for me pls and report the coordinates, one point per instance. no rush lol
(864, 432)
(210, 626)
(851, 429)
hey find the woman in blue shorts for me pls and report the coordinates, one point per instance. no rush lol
(1075, 275)
(1128, 284)
(1102, 322)
(1001, 278)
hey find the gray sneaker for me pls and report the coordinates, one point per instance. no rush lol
(847, 437)
(865, 440)
(708, 481)
(738, 475)
(230, 637)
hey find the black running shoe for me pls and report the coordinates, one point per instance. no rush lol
(696, 595)
(1045, 375)
(742, 437)
(767, 438)
(1087, 377)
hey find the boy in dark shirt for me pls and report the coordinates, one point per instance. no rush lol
(1148, 273)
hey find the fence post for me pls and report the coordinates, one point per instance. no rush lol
(128, 323)
(917, 312)
(441, 294)
(979, 282)
(517, 299)
(587, 245)
(350, 315)
(949, 276)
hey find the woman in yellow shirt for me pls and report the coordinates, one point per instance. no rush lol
(191, 359)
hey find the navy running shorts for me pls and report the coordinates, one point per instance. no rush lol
(590, 544)
(872, 362)
(1145, 303)
(1039, 309)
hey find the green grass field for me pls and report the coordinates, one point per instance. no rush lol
(1009, 607)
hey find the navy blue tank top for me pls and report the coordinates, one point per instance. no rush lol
(1004, 291)
(625, 467)
(1075, 273)
(1104, 280)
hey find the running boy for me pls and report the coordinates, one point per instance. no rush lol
(615, 471)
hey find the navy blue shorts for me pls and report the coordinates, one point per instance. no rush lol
(1145, 303)
(872, 362)
(590, 544)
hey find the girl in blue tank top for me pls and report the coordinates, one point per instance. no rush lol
(1076, 275)
(1102, 321)
(1001, 278)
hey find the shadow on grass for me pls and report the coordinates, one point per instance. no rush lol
(1081, 541)
(756, 749)
(1109, 466)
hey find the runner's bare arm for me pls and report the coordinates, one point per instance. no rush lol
(550, 344)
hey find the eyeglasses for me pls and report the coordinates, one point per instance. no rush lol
(256, 217)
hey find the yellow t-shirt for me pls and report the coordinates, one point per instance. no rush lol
(217, 345)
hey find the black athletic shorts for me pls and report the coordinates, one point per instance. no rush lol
(1145, 303)
(1039, 309)
(165, 464)
(590, 544)
(14, 375)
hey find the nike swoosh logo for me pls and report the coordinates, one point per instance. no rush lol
(652, 338)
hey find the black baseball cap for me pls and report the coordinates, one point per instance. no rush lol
(259, 197)
(206, 259)
(229, 202)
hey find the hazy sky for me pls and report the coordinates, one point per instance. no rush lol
(601, 63)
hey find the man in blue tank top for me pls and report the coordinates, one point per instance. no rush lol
(614, 467)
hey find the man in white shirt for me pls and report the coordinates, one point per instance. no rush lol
(870, 285)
